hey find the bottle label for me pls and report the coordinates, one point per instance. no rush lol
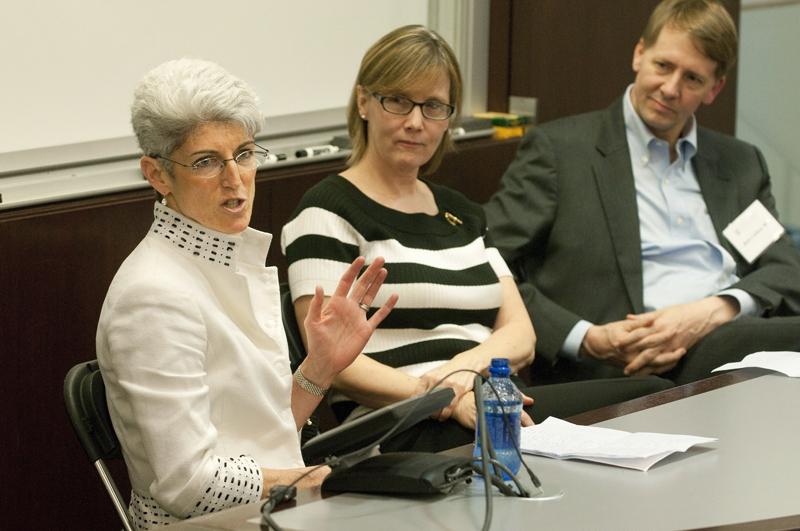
(503, 433)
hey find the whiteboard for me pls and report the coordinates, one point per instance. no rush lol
(69, 67)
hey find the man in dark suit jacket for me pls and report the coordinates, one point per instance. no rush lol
(613, 221)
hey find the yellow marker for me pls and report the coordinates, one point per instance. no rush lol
(501, 133)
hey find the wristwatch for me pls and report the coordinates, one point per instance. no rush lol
(307, 385)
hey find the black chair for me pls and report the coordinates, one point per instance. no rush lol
(297, 350)
(85, 398)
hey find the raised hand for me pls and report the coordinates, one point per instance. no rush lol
(337, 331)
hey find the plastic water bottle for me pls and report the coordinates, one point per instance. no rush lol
(502, 434)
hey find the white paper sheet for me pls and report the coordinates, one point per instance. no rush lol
(786, 362)
(563, 440)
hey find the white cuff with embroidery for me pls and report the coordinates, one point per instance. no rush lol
(236, 481)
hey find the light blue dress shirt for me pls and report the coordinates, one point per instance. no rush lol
(682, 259)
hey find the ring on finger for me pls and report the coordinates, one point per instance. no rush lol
(363, 306)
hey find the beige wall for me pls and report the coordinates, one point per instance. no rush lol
(768, 113)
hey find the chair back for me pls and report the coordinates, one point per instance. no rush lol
(85, 399)
(297, 351)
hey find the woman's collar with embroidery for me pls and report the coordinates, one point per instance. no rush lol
(193, 238)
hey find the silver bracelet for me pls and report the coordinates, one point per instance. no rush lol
(307, 385)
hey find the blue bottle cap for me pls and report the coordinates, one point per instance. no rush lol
(499, 367)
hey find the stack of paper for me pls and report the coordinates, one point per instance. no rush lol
(563, 440)
(786, 362)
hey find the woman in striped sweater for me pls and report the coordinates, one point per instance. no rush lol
(458, 303)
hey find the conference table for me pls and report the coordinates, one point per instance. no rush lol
(748, 479)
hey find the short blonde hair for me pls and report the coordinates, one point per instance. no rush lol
(708, 24)
(396, 62)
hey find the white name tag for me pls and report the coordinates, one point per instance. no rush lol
(753, 231)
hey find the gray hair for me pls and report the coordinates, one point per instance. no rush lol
(177, 96)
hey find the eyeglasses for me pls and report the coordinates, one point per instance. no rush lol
(431, 109)
(210, 167)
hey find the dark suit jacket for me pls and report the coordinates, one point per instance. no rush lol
(566, 220)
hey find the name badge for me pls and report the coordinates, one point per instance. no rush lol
(753, 231)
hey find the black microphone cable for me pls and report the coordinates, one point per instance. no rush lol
(279, 494)
(485, 444)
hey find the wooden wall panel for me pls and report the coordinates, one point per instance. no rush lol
(56, 264)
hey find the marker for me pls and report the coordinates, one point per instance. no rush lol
(315, 151)
(275, 157)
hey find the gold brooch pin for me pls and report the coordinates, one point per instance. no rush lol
(452, 219)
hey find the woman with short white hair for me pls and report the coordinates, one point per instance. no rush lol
(190, 339)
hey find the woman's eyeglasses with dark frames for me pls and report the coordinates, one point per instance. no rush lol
(431, 109)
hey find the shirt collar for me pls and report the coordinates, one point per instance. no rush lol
(640, 133)
(197, 241)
